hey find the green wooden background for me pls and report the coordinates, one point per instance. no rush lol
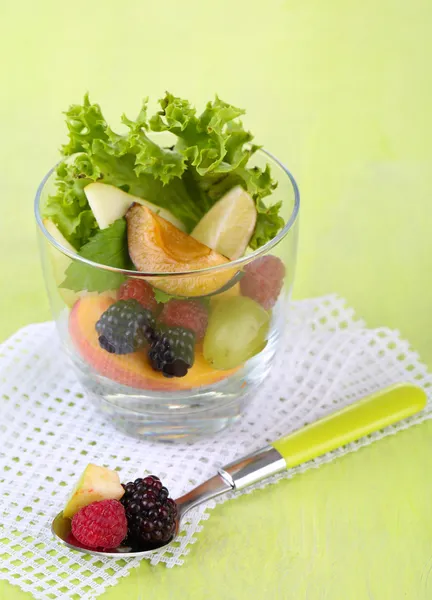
(341, 92)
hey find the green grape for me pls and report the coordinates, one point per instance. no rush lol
(236, 331)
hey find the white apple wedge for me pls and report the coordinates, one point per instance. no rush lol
(228, 226)
(60, 262)
(110, 203)
(96, 483)
(55, 232)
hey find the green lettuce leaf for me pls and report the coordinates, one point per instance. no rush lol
(132, 162)
(209, 157)
(209, 141)
(151, 159)
(267, 225)
(85, 123)
(217, 149)
(107, 247)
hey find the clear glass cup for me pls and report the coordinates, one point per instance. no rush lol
(140, 400)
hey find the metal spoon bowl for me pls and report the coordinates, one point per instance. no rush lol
(61, 526)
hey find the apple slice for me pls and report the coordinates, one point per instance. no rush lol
(110, 203)
(55, 232)
(228, 226)
(60, 262)
(96, 483)
(156, 246)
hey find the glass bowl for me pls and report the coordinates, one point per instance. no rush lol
(143, 402)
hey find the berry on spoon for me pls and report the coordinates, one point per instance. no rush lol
(150, 513)
(101, 524)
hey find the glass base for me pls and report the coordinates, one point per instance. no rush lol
(199, 421)
(176, 415)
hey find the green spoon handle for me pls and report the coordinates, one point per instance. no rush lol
(372, 413)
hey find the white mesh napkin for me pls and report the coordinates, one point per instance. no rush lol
(49, 432)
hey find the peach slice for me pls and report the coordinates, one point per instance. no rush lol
(130, 369)
(156, 246)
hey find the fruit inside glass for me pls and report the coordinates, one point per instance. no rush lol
(173, 353)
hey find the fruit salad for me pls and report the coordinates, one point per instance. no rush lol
(106, 514)
(159, 244)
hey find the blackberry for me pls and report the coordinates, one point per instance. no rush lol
(172, 351)
(125, 327)
(151, 515)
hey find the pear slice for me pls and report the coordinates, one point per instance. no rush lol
(96, 483)
(228, 226)
(110, 203)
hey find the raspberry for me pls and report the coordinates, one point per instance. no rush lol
(125, 327)
(263, 280)
(140, 290)
(150, 513)
(172, 351)
(100, 524)
(190, 314)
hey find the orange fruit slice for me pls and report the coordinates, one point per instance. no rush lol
(157, 246)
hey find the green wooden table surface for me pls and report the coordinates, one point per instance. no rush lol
(341, 92)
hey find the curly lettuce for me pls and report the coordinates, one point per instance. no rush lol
(217, 149)
(209, 156)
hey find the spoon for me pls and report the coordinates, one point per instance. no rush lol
(372, 413)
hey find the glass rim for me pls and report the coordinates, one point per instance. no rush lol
(206, 270)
